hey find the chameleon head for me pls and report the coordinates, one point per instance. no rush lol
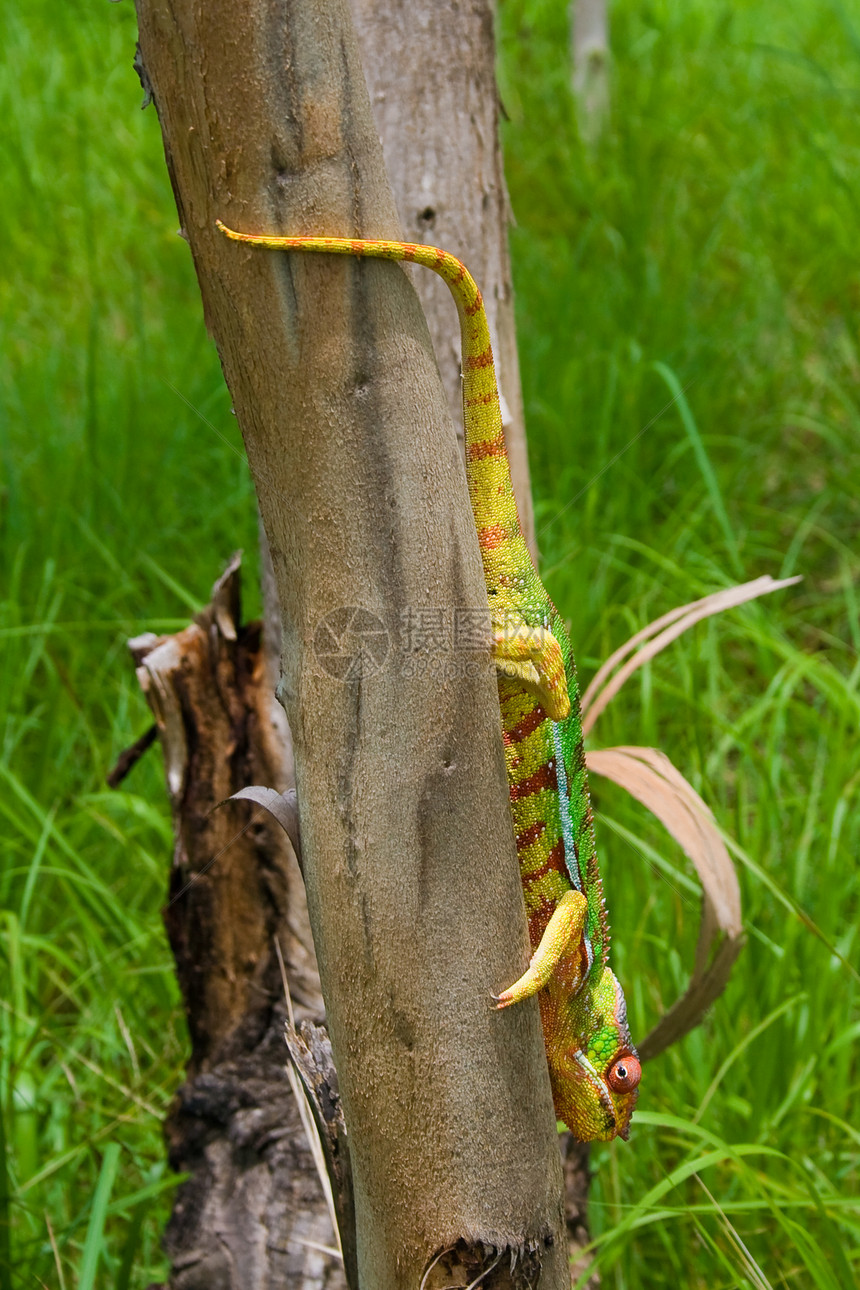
(594, 1068)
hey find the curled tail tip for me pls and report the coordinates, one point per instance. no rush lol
(229, 232)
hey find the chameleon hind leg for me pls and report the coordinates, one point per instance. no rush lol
(532, 655)
(563, 930)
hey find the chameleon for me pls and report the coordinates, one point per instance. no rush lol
(594, 1068)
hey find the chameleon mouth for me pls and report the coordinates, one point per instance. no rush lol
(599, 1087)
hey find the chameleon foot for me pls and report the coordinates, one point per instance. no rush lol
(564, 929)
(533, 656)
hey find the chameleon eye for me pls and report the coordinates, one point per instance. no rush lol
(624, 1074)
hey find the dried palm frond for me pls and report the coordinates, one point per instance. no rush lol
(669, 627)
(649, 776)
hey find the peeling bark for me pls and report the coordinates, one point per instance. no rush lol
(253, 1203)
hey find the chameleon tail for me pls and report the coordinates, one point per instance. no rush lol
(507, 562)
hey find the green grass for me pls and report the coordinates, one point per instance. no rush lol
(706, 253)
(702, 257)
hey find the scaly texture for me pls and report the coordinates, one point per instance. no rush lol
(593, 1065)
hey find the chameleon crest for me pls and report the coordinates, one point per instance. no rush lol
(594, 1069)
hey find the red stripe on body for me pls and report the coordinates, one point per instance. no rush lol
(530, 835)
(487, 448)
(491, 538)
(544, 777)
(480, 360)
(528, 725)
(554, 863)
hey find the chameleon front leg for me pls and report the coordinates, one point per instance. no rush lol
(532, 655)
(563, 930)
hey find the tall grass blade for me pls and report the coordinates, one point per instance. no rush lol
(703, 461)
(132, 1241)
(5, 1204)
(94, 1240)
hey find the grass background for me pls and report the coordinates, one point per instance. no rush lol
(710, 241)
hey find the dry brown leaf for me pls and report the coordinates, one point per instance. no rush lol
(283, 807)
(649, 776)
(662, 632)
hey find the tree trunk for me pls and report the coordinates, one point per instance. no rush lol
(401, 779)
(589, 43)
(430, 70)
